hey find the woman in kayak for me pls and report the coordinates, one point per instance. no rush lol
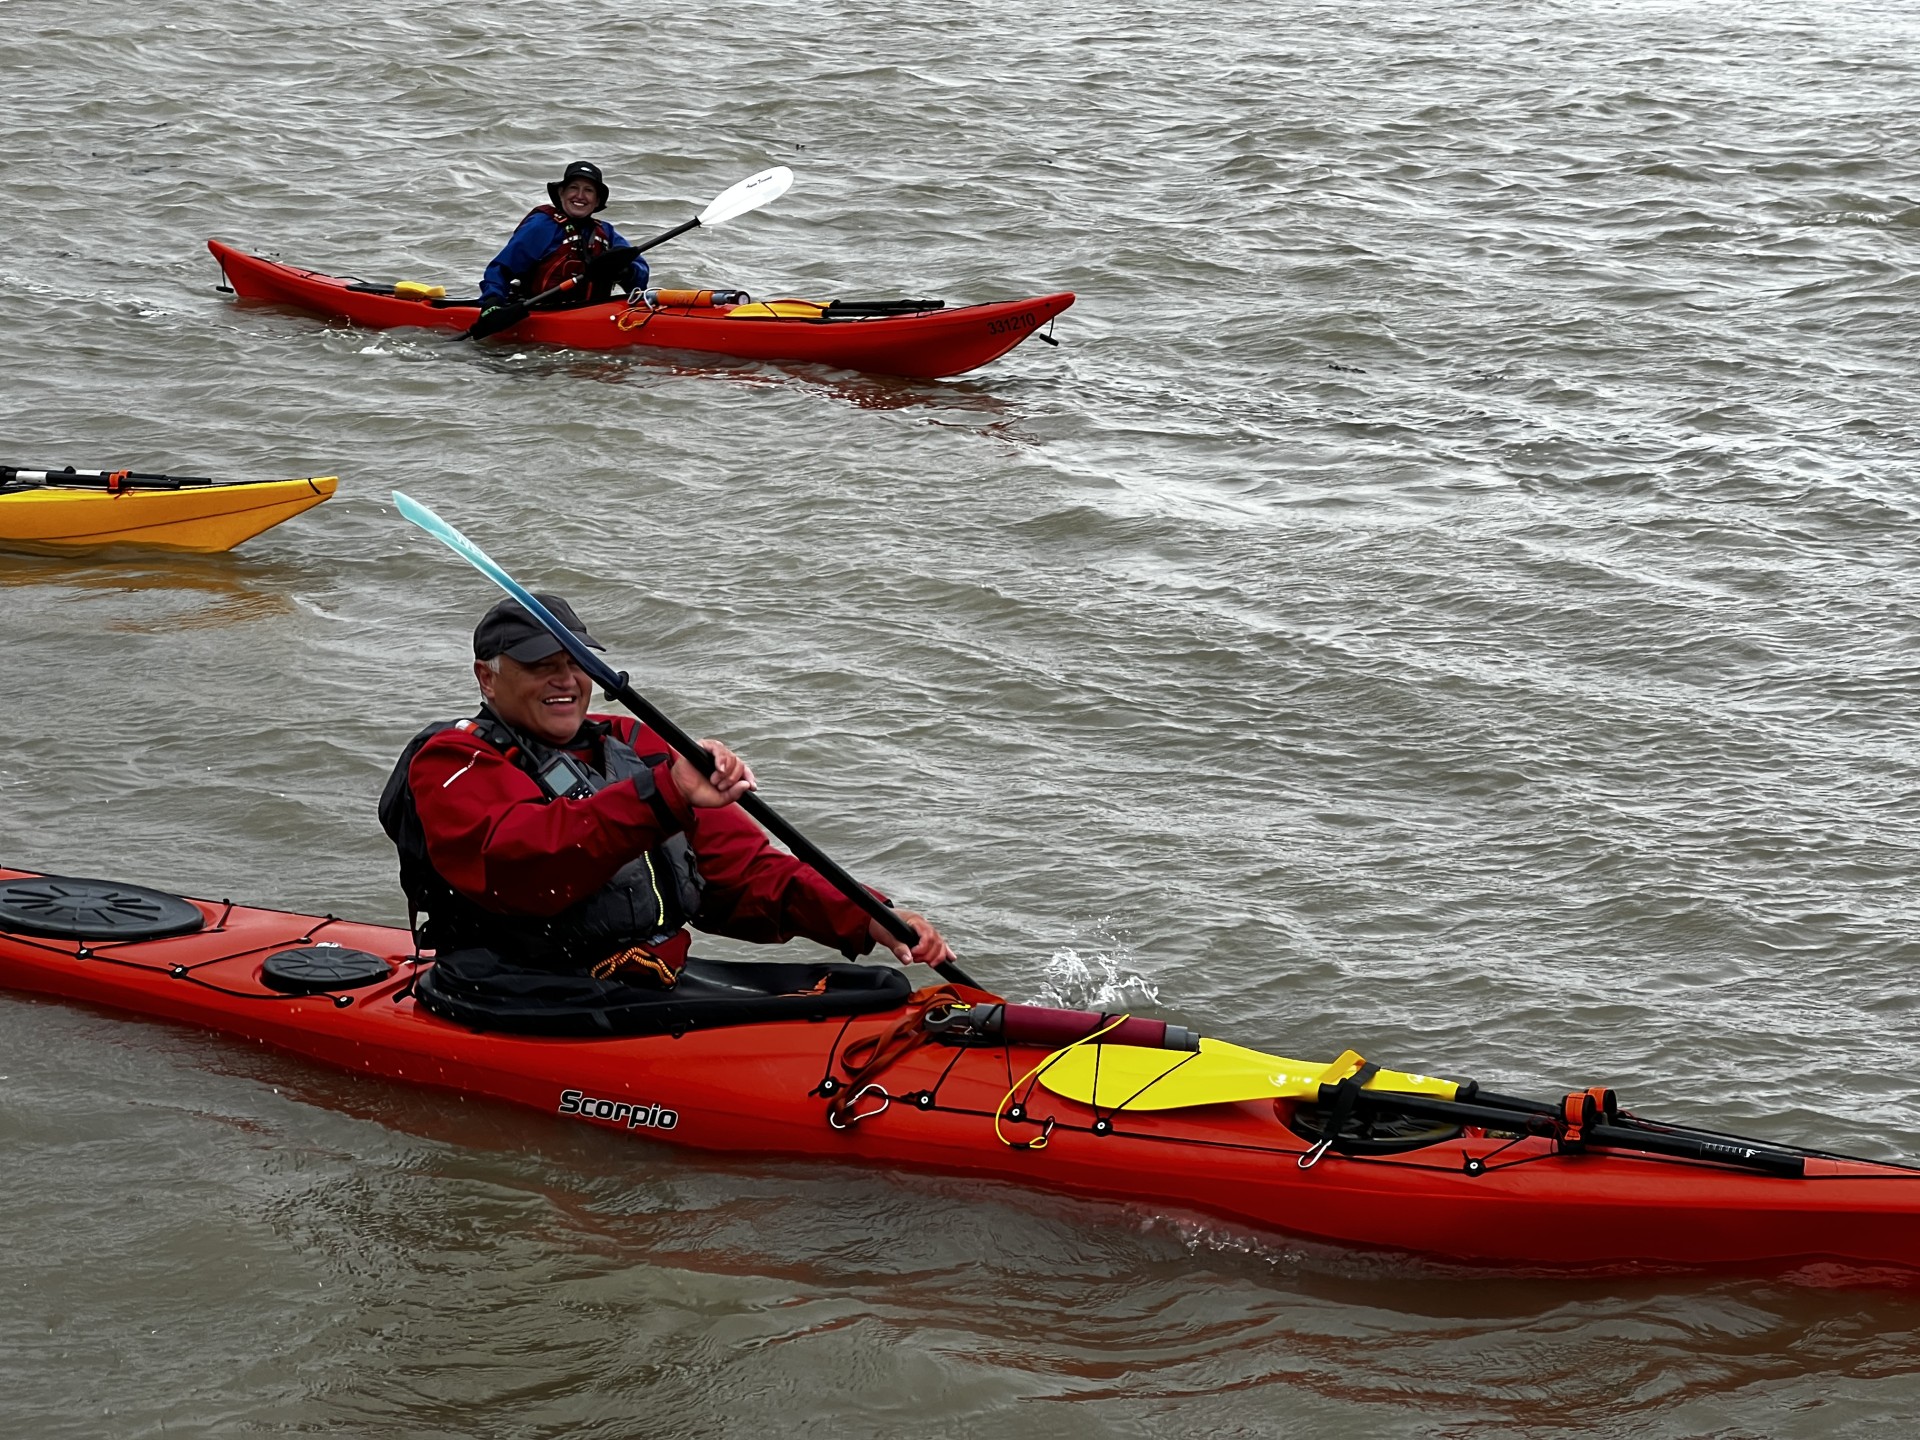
(577, 844)
(556, 242)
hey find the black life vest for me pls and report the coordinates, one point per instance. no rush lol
(580, 241)
(647, 901)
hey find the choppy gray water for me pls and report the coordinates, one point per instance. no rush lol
(1452, 594)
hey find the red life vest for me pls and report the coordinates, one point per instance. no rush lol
(580, 241)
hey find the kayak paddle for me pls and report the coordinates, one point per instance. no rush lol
(616, 686)
(749, 194)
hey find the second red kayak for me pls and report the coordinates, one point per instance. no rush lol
(926, 344)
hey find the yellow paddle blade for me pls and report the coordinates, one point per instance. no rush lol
(1132, 1077)
(777, 310)
(415, 290)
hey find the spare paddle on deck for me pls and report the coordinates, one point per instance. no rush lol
(749, 194)
(616, 686)
(1118, 1078)
(99, 479)
(1131, 1077)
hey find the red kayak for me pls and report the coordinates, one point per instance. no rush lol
(845, 1062)
(924, 343)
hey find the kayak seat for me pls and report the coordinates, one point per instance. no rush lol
(482, 991)
(66, 907)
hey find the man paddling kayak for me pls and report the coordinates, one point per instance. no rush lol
(557, 242)
(569, 844)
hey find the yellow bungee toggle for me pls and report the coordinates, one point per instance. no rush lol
(1132, 1077)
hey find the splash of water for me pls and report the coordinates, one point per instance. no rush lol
(1101, 978)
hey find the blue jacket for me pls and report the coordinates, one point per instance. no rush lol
(539, 236)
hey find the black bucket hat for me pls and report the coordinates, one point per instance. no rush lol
(509, 629)
(579, 170)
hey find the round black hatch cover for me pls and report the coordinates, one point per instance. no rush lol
(315, 969)
(74, 909)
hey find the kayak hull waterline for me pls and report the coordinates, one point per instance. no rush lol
(203, 519)
(770, 1088)
(926, 345)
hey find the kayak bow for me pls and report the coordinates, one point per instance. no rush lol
(953, 1080)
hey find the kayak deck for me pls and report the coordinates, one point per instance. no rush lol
(926, 344)
(203, 519)
(802, 1088)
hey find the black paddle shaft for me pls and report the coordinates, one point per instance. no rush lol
(777, 826)
(666, 235)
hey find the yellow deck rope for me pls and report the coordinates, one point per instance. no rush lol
(1001, 1109)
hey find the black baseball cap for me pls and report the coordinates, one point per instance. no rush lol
(509, 629)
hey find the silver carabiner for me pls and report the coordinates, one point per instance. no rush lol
(846, 1119)
(1312, 1157)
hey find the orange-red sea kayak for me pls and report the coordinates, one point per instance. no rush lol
(925, 344)
(845, 1063)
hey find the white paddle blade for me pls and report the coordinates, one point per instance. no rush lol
(749, 194)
